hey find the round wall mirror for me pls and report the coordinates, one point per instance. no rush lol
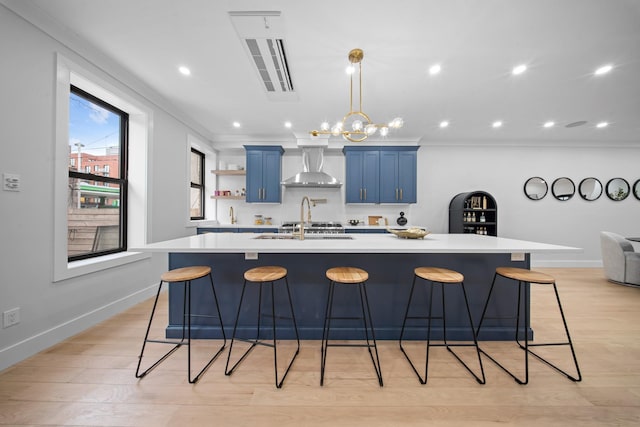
(636, 189)
(536, 188)
(590, 189)
(563, 188)
(617, 189)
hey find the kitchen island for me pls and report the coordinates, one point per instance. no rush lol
(389, 260)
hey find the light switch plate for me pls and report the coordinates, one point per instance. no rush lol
(10, 182)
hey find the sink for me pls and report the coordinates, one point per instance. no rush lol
(283, 236)
(273, 236)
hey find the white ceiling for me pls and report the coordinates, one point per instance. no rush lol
(476, 42)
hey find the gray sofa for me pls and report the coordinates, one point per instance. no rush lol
(621, 263)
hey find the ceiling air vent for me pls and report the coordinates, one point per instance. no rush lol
(262, 36)
(271, 60)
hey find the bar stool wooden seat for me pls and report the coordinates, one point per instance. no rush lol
(266, 275)
(439, 276)
(349, 276)
(524, 277)
(185, 275)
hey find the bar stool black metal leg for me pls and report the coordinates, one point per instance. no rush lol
(295, 328)
(528, 346)
(328, 314)
(404, 322)
(146, 339)
(473, 333)
(228, 371)
(376, 362)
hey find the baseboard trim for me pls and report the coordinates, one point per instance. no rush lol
(571, 263)
(19, 351)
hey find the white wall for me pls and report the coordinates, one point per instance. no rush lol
(51, 311)
(447, 169)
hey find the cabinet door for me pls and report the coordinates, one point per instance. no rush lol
(407, 176)
(254, 176)
(362, 176)
(271, 177)
(371, 177)
(389, 191)
(398, 176)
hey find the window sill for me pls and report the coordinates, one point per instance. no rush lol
(92, 265)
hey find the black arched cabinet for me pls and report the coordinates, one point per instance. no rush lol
(474, 212)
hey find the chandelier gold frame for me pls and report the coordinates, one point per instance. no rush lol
(361, 127)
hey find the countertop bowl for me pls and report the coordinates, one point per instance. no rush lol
(409, 233)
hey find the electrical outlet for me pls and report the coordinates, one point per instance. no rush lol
(517, 256)
(11, 317)
(251, 255)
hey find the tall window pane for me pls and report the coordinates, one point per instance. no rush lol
(96, 209)
(196, 206)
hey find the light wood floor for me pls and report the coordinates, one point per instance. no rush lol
(89, 379)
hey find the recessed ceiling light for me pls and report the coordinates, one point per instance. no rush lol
(549, 124)
(236, 124)
(602, 125)
(603, 70)
(184, 70)
(497, 124)
(435, 69)
(287, 125)
(519, 69)
(444, 124)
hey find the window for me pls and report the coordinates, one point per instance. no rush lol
(97, 204)
(196, 205)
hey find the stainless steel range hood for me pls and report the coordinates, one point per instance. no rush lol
(312, 174)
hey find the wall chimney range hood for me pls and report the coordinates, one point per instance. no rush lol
(312, 174)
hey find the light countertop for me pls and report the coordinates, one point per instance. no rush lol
(358, 243)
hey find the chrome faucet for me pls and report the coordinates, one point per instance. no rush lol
(302, 215)
(233, 220)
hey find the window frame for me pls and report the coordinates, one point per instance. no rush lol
(200, 186)
(121, 181)
(140, 152)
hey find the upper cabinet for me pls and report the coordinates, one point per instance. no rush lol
(362, 175)
(264, 164)
(381, 174)
(398, 174)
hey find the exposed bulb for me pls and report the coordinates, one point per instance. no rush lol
(396, 123)
(324, 126)
(384, 131)
(356, 125)
(370, 129)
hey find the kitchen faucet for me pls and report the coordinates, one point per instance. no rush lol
(233, 220)
(302, 215)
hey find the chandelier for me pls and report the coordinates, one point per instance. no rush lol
(356, 126)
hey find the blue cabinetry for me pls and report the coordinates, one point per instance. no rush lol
(398, 174)
(362, 175)
(263, 173)
(381, 174)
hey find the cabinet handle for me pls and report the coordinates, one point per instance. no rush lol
(401, 197)
(360, 193)
(397, 194)
(365, 194)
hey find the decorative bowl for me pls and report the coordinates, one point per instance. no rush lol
(409, 233)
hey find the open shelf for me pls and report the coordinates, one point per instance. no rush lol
(229, 197)
(229, 172)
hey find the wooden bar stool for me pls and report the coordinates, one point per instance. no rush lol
(185, 275)
(525, 277)
(263, 276)
(349, 276)
(439, 276)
